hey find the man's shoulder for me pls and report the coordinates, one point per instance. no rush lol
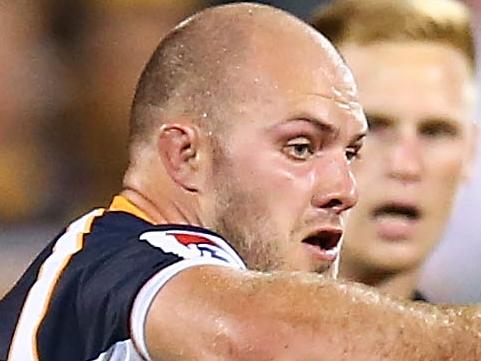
(90, 276)
(47, 286)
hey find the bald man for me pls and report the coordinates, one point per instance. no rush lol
(244, 128)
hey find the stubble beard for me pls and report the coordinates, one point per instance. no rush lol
(245, 224)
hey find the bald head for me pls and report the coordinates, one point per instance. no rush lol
(211, 64)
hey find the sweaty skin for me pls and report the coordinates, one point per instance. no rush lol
(301, 317)
(266, 163)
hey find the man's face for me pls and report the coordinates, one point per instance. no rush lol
(420, 138)
(282, 170)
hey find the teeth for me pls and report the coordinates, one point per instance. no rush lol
(332, 252)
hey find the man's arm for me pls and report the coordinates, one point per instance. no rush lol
(215, 313)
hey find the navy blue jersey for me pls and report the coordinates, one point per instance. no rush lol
(86, 296)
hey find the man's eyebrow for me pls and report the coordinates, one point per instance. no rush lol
(322, 125)
(358, 137)
(441, 119)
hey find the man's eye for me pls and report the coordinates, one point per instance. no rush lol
(299, 149)
(353, 153)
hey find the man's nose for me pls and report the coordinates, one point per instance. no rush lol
(336, 187)
(404, 161)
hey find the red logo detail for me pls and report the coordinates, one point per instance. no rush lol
(187, 239)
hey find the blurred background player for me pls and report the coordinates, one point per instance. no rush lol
(414, 62)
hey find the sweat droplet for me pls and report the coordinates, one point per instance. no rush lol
(204, 115)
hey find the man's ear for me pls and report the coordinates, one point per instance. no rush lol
(178, 146)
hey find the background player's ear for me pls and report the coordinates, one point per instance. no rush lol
(178, 148)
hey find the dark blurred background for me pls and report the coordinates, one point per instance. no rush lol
(68, 71)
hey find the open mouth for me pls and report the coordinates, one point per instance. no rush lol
(325, 240)
(397, 210)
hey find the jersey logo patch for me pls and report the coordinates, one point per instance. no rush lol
(186, 244)
(187, 239)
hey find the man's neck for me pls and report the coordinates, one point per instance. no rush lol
(402, 284)
(168, 212)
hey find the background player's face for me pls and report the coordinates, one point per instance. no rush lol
(283, 168)
(417, 150)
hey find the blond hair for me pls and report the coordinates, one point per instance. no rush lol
(367, 21)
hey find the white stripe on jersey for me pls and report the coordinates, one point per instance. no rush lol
(148, 292)
(24, 343)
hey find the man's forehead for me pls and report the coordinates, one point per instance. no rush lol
(284, 59)
(326, 82)
(335, 111)
(295, 70)
(439, 74)
(313, 83)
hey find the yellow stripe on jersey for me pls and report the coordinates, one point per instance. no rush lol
(24, 345)
(120, 203)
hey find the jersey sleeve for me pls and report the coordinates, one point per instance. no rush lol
(193, 249)
(99, 304)
(105, 293)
